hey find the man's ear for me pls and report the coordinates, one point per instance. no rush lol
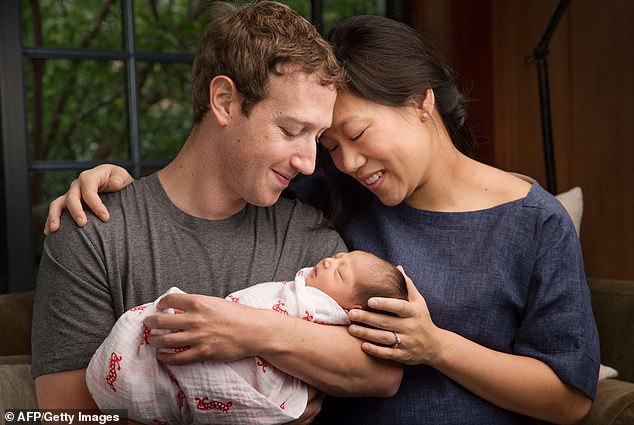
(222, 94)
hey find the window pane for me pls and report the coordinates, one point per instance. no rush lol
(76, 110)
(165, 108)
(170, 26)
(300, 6)
(72, 23)
(336, 10)
(44, 188)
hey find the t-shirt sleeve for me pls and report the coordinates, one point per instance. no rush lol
(559, 327)
(73, 311)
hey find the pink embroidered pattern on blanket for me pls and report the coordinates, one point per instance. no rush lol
(262, 363)
(113, 365)
(139, 307)
(279, 307)
(146, 334)
(203, 404)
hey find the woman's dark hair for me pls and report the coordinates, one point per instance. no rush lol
(388, 62)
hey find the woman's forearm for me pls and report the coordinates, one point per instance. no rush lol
(517, 383)
(327, 357)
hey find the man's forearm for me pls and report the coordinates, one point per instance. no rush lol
(326, 357)
(64, 390)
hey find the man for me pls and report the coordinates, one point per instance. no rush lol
(211, 222)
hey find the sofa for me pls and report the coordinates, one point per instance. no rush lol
(612, 302)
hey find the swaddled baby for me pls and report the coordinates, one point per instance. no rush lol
(124, 372)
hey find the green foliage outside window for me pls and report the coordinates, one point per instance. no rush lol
(77, 110)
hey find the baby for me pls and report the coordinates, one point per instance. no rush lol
(125, 374)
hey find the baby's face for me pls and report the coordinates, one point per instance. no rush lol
(338, 275)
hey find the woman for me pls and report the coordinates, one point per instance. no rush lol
(501, 329)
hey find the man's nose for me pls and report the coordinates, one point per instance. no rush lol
(303, 160)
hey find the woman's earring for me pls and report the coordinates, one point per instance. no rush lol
(425, 116)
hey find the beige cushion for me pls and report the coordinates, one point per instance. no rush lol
(17, 390)
(606, 372)
(572, 201)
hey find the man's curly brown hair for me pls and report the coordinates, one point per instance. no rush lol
(249, 42)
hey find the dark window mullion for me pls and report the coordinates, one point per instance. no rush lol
(17, 190)
(85, 165)
(132, 89)
(317, 14)
(72, 54)
(37, 52)
(399, 10)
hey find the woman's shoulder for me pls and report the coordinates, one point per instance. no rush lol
(481, 187)
(508, 187)
(518, 187)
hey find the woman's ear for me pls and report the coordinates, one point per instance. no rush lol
(425, 104)
(222, 93)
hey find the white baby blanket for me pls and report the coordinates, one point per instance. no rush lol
(125, 374)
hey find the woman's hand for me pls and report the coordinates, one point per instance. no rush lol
(100, 179)
(417, 333)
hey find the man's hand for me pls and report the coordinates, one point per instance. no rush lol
(208, 328)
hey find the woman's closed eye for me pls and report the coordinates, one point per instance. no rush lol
(353, 138)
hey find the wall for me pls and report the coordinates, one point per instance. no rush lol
(592, 103)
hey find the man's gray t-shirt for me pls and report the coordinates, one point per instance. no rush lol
(90, 276)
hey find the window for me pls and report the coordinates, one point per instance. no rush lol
(102, 81)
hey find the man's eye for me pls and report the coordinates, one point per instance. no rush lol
(288, 132)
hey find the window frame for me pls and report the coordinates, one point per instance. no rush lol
(17, 271)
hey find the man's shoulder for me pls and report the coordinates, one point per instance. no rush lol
(125, 207)
(131, 200)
